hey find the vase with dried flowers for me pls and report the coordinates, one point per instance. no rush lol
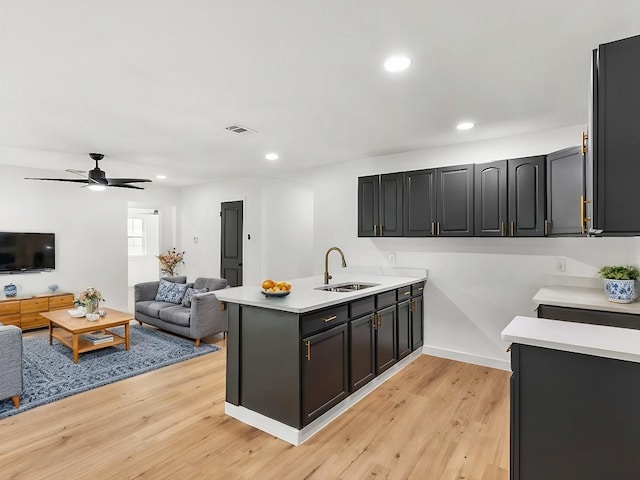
(90, 298)
(169, 260)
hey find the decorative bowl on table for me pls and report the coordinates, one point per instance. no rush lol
(92, 317)
(76, 313)
(271, 288)
(276, 294)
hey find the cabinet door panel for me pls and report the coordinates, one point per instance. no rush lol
(565, 187)
(419, 203)
(368, 205)
(391, 204)
(491, 199)
(325, 375)
(417, 322)
(454, 193)
(386, 338)
(404, 329)
(362, 351)
(527, 197)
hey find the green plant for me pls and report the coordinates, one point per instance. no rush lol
(619, 272)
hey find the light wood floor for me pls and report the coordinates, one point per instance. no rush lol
(436, 419)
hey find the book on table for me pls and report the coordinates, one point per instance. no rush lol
(98, 337)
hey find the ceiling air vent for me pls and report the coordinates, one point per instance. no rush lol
(240, 129)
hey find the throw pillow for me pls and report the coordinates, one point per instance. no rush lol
(186, 300)
(170, 291)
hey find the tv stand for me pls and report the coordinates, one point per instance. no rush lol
(24, 310)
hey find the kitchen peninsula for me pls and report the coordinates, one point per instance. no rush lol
(296, 362)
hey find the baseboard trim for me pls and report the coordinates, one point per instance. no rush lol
(467, 358)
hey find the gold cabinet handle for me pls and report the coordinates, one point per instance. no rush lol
(511, 233)
(432, 228)
(546, 228)
(509, 348)
(406, 293)
(438, 228)
(502, 229)
(328, 319)
(412, 306)
(420, 289)
(381, 230)
(584, 148)
(375, 230)
(374, 321)
(308, 342)
(583, 218)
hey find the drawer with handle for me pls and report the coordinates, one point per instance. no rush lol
(322, 319)
(417, 289)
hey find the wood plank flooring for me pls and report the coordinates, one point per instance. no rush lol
(436, 419)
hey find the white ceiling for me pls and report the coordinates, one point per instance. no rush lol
(152, 84)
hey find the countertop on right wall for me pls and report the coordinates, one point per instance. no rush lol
(582, 297)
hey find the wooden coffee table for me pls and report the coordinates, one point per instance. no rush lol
(68, 330)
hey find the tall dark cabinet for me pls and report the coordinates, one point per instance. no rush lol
(614, 133)
(566, 203)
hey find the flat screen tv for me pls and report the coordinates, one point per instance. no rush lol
(27, 252)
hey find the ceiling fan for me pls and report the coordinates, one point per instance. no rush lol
(97, 179)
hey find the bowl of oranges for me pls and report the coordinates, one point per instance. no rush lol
(271, 288)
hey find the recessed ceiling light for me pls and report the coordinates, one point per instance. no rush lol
(95, 187)
(465, 126)
(161, 177)
(397, 63)
(271, 156)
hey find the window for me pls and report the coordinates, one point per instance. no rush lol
(136, 236)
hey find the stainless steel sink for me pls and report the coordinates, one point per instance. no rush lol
(346, 287)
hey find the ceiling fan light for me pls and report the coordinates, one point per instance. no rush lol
(95, 187)
(397, 63)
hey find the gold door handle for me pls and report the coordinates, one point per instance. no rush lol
(329, 319)
(374, 320)
(512, 229)
(583, 218)
(308, 342)
(420, 289)
(375, 230)
(432, 228)
(502, 229)
(438, 228)
(381, 231)
(546, 228)
(406, 293)
(412, 306)
(584, 148)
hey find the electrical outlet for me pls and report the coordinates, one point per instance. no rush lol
(195, 239)
(392, 258)
(561, 265)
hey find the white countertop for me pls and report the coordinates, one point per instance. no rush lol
(597, 340)
(305, 298)
(581, 297)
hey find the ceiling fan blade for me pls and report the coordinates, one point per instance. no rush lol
(126, 186)
(77, 172)
(74, 180)
(113, 182)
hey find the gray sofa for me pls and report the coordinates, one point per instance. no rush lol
(206, 315)
(11, 361)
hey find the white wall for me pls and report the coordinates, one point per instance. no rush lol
(476, 285)
(90, 228)
(278, 218)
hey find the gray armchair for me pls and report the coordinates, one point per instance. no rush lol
(206, 315)
(11, 361)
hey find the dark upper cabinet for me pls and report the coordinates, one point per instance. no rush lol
(614, 133)
(419, 203)
(566, 192)
(454, 201)
(368, 194)
(490, 204)
(380, 200)
(527, 197)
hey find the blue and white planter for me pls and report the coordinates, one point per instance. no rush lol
(620, 291)
(10, 290)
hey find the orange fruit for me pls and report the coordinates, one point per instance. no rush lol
(284, 286)
(267, 284)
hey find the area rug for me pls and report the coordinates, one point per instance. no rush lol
(50, 374)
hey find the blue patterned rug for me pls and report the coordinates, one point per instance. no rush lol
(50, 374)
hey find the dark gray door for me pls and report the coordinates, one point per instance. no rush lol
(391, 204)
(362, 343)
(491, 199)
(565, 192)
(454, 192)
(368, 188)
(527, 197)
(616, 137)
(231, 242)
(419, 203)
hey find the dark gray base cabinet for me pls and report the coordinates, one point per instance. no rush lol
(386, 338)
(363, 353)
(594, 317)
(404, 329)
(573, 416)
(417, 322)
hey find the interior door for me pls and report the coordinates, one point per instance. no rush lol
(231, 242)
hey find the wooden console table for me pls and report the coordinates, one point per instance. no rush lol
(25, 311)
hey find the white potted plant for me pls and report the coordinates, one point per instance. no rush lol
(619, 282)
